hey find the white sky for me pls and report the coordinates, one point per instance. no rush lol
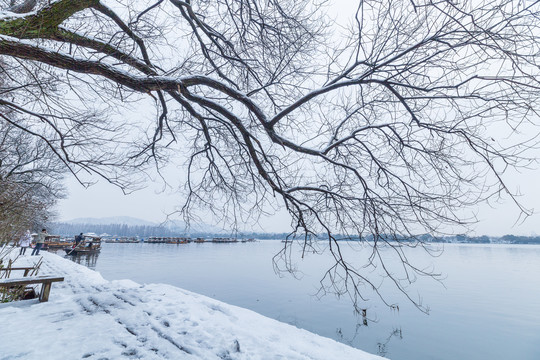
(104, 200)
(151, 203)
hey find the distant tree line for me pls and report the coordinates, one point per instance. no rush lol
(67, 229)
(484, 239)
(145, 231)
(513, 239)
(506, 239)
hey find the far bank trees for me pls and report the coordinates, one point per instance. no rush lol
(383, 126)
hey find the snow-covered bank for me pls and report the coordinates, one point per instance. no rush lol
(88, 317)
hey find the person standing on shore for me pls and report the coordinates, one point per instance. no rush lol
(24, 242)
(40, 241)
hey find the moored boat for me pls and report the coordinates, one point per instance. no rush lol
(224, 240)
(89, 245)
(54, 242)
(123, 240)
(167, 240)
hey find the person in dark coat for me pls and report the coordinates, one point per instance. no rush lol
(78, 239)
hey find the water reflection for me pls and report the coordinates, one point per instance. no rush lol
(361, 322)
(349, 340)
(364, 317)
(383, 346)
(88, 260)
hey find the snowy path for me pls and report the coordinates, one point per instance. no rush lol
(89, 317)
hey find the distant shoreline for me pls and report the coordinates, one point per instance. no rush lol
(113, 231)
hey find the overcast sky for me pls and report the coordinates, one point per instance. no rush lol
(151, 203)
(104, 200)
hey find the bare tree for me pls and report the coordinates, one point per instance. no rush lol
(30, 182)
(378, 137)
(30, 175)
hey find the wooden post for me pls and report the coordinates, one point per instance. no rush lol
(45, 290)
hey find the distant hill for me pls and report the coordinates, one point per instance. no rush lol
(179, 225)
(124, 220)
(129, 226)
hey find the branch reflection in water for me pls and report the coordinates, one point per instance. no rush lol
(363, 321)
(383, 346)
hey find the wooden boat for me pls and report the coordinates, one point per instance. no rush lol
(123, 240)
(224, 240)
(89, 245)
(167, 240)
(47, 242)
(54, 242)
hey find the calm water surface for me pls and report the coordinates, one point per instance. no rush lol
(487, 308)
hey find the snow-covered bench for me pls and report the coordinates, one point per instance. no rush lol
(45, 281)
(26, 269)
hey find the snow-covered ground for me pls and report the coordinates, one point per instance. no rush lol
(88, 317)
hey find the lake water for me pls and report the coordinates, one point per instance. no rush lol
(487, 308)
